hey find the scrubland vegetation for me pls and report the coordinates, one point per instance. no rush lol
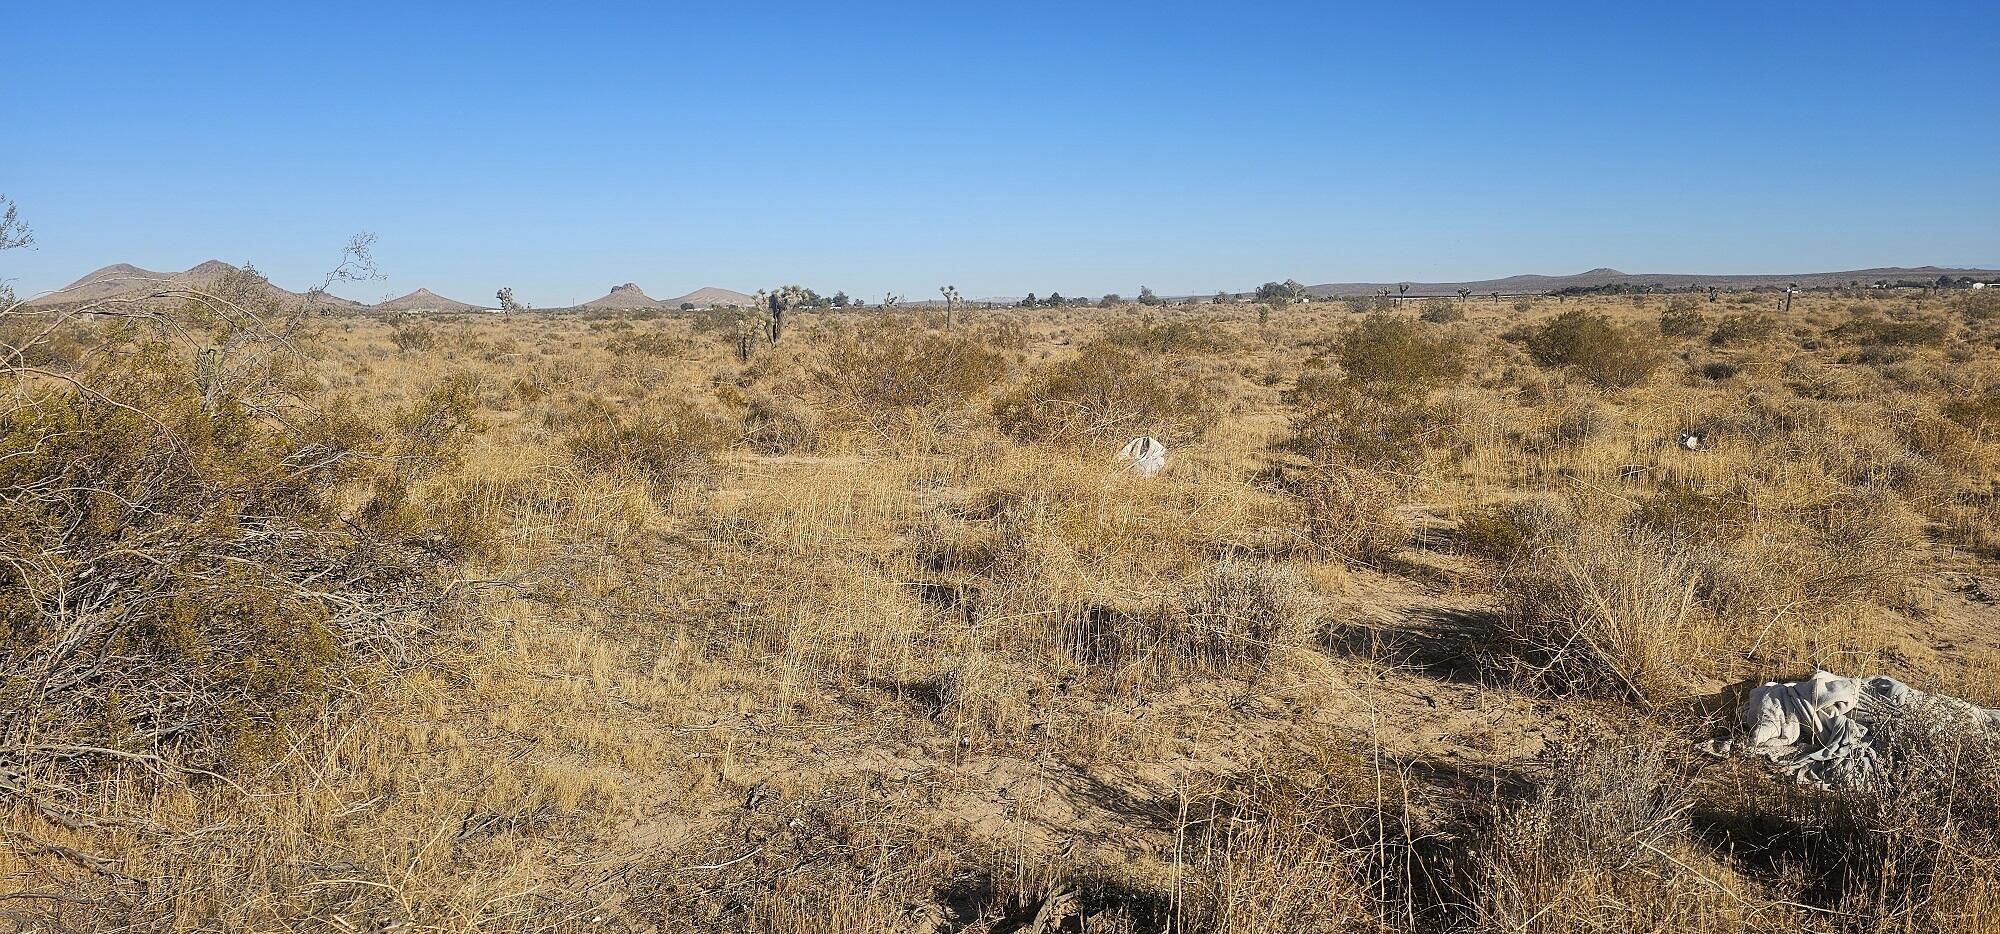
(585, 622)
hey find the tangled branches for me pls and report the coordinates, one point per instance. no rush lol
(198, 548)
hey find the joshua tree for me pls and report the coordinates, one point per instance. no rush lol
(1402, 289)
(1496, 298)
(952, 300)
(1790, 290)
(1463, 294)
(779, 303)
(507, 302)
(890, 299)
(1711, 295)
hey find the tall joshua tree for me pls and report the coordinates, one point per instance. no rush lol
(952, 301)
(779, 303)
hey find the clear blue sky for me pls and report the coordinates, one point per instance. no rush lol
(564, 148)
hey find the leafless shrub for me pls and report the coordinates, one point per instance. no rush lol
(1238, 615)
(1348, 512)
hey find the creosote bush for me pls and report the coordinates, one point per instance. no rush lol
(669, 444)
(202, 551)
(1107, 391)
(890, 374)
(1592, 346)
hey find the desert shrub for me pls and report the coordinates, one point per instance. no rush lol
(776, 423)
(1441, 311)
(1109, 391)
(1609, 613)
(1595, 348)
(669, 444)
(1979, 414)
(1604, 840)
(1687, 515)
(1237, 614)
(893, 375)
(1885, 332)
(1523, 306)
(201, 551)
(1169, 337)
(413, 338)
(1980, 305)
(1334, 421)
(628, 342)
(1718, 370)
(1308, 837)
(1743, 327)
(1683, 318)
(1394, 356)
(1509, 530)
(1348, 512)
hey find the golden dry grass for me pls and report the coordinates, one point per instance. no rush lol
(814, 642)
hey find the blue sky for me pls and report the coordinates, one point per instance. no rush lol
(564, 148)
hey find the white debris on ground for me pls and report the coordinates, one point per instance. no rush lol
(1832, 731)
(1147, 455)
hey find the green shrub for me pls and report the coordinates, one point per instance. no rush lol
(1591, 346)
(1441, 311)
(1391, 355)
(1683, 319)
(1743, 327)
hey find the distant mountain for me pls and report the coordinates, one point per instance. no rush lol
(424, 300)
(1603, 276)
(710, 297)
(124, 282)
(625, 297)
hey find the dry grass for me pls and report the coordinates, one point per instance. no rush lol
(868, 632)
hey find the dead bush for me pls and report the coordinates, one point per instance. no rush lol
(1609, 613)
(1238, 614)
(1348, 512)
(1310, 837)
(1603, 843)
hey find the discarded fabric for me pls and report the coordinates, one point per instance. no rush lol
(1148, 456)
(1832, 731)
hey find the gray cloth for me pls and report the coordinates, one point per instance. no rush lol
(1832, 731)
